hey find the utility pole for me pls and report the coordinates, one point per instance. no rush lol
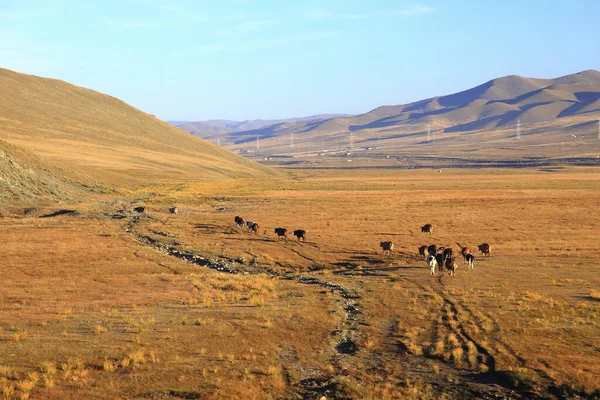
(518, 128)
(428, 133)
(351, 140)
(291, 140)
(257, 144)
(598, 127)
(560, 150)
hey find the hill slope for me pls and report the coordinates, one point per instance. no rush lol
(566, 105)
(25, 178)
(85, 130)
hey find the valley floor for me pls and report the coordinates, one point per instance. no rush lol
(107, 303)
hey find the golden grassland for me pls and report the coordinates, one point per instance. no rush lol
(89, 312)
(105, 138)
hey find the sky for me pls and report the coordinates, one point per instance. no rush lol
(272, 59)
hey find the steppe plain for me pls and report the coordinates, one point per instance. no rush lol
(100, 302)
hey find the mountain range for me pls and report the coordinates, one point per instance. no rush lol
(220, 126)
(569, 103)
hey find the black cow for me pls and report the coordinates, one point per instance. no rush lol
(447, 253)
(139, 209)
(281, 232)
(173, 210)
(239, 221)
(440, 261)
(485, 249)
(300, 234)
(470, 260)
(432, 250)
(387, 247)
(427, 228)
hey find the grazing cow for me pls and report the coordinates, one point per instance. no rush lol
(447, 253)
(440, 261)
(451, 266)
(300, 234)
(252, 226)
(173, 210)
(432, 250)
(432, 264)
(485, 249)
(387, 247)
(423, 251)
(464, 251)
(281, 232)
(470, 260)
(427, 228)
(140, 210)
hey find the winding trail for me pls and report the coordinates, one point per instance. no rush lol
(344, 341)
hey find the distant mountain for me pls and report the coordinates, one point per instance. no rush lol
(104, 138)
(207, 129)
(570, 102)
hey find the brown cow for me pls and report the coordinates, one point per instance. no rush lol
(485, 249)
(387, 247)
(423, 251)
(427, 228)
(451, 266)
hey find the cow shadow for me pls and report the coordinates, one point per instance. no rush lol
(587, 298)
(60, 212)
(212, 228)
(381, 271)
(254, 239)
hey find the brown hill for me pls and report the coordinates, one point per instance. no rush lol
(564, 105)
(101, 136)
(24, 178)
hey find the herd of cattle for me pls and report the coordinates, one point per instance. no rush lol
(440, 257)
(280, 232)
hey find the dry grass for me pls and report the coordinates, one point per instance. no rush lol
(105, 316)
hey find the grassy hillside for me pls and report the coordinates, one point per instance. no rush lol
(25, 179)
(103, 137)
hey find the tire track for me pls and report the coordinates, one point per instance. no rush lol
(549, 382)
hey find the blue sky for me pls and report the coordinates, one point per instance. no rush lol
(248, 59)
